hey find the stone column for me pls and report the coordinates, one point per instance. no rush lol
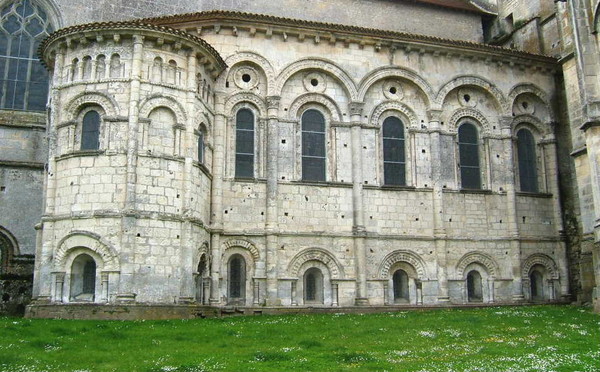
(592, 140)
(59, 285)
(271, 220)
(218, 168)
(205, 290)
(491, 289)
(256, 292)
(334, 294)
(293, 291)
(511, 208)
(186, 265)
(104, 285)
(358, 228)
(42, 284)
(386, 293)
(551, 171)
(437, 199)
(129, 221)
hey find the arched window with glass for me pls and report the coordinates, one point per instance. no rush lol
(528, 178)
(83, 278)
(244, 144)
(90, 131)
(313, 146)
(394, 159)
(468, 148)
(23, 79)
(201, 147)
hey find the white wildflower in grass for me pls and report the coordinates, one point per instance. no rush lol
(583, 332)
(429, 334)
(49, 348)
(453, 332)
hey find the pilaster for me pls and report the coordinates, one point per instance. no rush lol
(439, 228)
(358, 227)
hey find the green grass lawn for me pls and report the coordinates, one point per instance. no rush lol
(520, 339)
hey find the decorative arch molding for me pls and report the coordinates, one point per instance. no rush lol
(543, 260)
(91, 241)
(321, 64)
(204, 119)
(462, 113)
(530, 121)
(321, 99)
(158, 100)
(257, 59)
(81, 100)
(241, 243)
(528, 88)
(395, 257)
(249, 97)
(202, 251)
(316, 254)
(481, 258)
(10, 240)
(533, 89)
(476, 81)
(380, 109)
(395, 72)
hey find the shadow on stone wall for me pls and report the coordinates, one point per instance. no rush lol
(16, 286)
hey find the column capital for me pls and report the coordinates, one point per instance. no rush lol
(356, 107)
(505, 121)
(434, 115)
(273, 102)
(138, 39)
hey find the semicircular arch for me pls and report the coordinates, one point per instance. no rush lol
(532, 122)
(540, 259)
(159, 100)
(459, 115)
(395, 72)
(385, 106)
(241, 97)
(469, 80)
(108, 104)
(316, 254)
(244, 244)
(409, 257)
(91, 241)
(481, 258)
(318, 98)
(321, 64)
(257, 59)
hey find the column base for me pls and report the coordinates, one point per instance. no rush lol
(518, 298)
(126, 297)
(42, 300)
(443, 299)
(214, 302)
(272, 302)
(362, 301)
(566, 298)
(186, 300)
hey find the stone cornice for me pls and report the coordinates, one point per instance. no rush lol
(97, 32)
(21, 164)
(318, 32)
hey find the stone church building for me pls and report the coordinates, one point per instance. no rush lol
(172, 159)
